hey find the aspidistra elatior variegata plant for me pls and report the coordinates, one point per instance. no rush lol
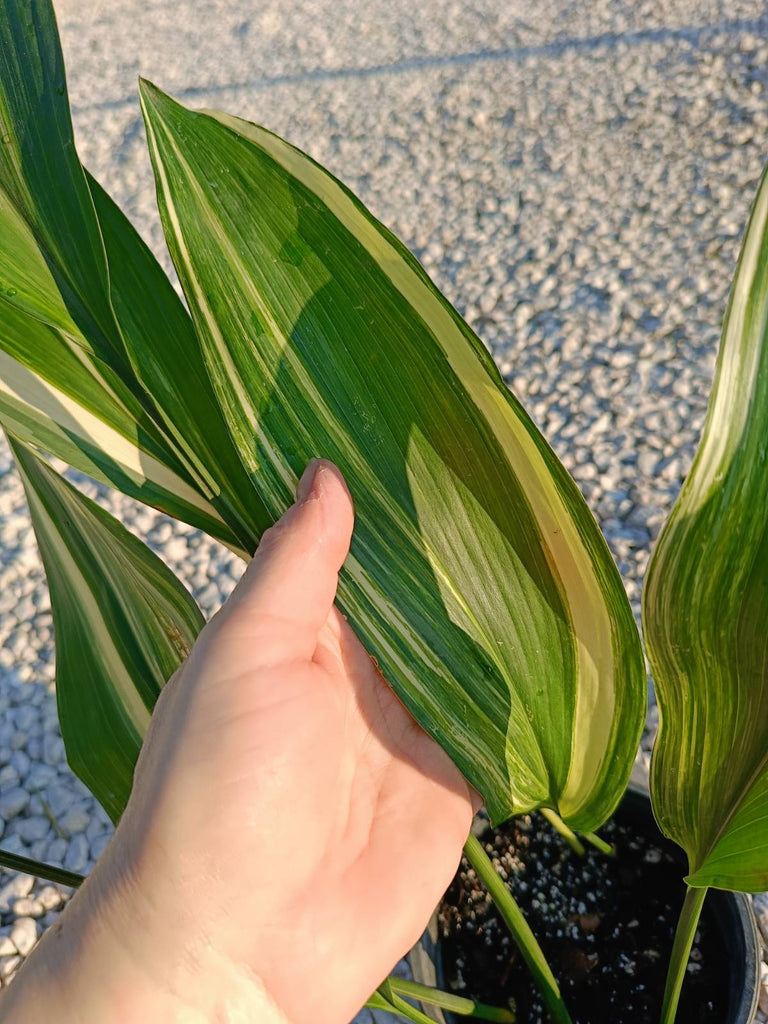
(99, 363)
(705, 613)
(478, 577)
(705, 618)
(123, 624)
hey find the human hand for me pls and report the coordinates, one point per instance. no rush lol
(291, 827)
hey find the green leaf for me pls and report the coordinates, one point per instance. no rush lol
(72, 261)
(477, 576)
(40, 171)
(385, 998)
(56, 395)
(166, 356)
(123, 624)
(38, 868)
(434, 1000)
(705, 613)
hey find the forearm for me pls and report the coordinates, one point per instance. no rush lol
(82, 972)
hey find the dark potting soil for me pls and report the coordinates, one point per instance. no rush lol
(605, 924)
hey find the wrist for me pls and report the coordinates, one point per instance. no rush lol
(101, 964)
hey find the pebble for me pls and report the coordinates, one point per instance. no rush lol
(175, 550)
(49, 897)
(14, 844)
(53, 749)
(30, 829)
(17, 888)
(13, 802)
(25, 717)
(8, 967)
(24, 934)
(57, 851)
(59, 798)
(28, 908)
(40, 775)
(76, 819)
(20, 761)
(76, 857)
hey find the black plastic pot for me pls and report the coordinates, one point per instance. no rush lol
(731, 912)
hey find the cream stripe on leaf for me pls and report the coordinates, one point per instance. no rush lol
(30, 301)
(77, 420)
(478, 577)
(705, 609)
(123, 624)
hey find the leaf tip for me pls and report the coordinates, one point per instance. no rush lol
(153, 100)
(148, 90)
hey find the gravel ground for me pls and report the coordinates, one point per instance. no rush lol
(574, 175)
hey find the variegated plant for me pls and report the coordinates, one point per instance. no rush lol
(477, 576)
(705, 621)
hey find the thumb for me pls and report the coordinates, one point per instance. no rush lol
(287, 592)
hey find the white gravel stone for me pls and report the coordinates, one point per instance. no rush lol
(17, 888)
(49, 897)
(27, 907)
(175, 550)
(20, 762)
(8, 967)
(95, 827)
(53, 749)
(40, 775)
(14, 844)
(76, 818)
(39, 849)
(76, 857)
(31, 829)
(13, 801)
(24, 934)
(59, 798)
(57, 851)
(24, 717)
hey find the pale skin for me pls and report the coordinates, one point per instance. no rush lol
(291, 827)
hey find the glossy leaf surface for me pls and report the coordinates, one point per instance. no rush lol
(123, 624)
(57, 395)
(72, 261)
(477, 577)
(705, 614)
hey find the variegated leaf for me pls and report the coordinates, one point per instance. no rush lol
(165, 353)
(477, 576)
(41, 175)
(72, 261)
(123, 624)
(705, 612)
(390, 1002)
(56, 395)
